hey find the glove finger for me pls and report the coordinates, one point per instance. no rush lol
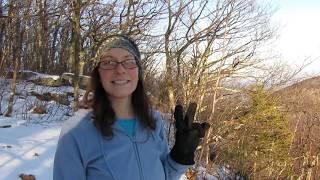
(205, 126)
(201, 128)
(189, 118)
(178, 116)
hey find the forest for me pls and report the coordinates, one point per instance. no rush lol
(263, 124)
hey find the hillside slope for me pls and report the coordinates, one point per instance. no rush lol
(302, 103)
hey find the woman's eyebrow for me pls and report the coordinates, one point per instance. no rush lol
(107, 56)
(129, 55)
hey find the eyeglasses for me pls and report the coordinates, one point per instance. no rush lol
(111, 64)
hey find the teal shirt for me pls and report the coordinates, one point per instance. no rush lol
(127, 124)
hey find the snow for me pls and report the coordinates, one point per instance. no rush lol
(28, 146)
(27, 149)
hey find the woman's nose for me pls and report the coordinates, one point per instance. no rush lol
(119, 68)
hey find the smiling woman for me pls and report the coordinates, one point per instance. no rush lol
(118, 71)
(122, 137)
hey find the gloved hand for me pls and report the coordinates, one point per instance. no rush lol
(188, 135)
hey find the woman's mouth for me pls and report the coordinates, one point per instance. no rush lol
(121, 82)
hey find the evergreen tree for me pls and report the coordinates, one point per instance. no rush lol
(258, 144)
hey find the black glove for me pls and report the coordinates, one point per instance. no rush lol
(188, 135)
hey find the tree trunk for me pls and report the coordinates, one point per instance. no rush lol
(53, 50)
(42, 35)
(169, 61)
(2, 33)
(16, 54)
(75, 56)
(64, 52)
(13, 87)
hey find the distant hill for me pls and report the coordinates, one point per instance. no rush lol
(303, 96)
(301, 101)
(308, 84)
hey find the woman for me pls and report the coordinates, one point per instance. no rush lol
(122, 138)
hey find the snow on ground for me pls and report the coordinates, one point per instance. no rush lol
(28, 146)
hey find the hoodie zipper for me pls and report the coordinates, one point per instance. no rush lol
(134, 142)
(138, 156)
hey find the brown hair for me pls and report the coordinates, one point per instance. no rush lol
(103, 114)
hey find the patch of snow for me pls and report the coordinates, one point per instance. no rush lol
(27, 149)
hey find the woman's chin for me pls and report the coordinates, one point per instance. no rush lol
(120, 95)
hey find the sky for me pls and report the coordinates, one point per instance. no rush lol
(299, 32)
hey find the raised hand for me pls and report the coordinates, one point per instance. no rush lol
(188, 135)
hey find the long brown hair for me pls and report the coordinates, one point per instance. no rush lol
(103, 114)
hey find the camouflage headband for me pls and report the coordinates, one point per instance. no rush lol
(120, 42)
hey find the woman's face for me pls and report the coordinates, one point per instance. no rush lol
(117, 80)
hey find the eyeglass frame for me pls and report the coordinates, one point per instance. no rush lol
(117, 63)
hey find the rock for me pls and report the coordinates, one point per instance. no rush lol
(22, 75)
(59, 98)
(7, 146)
(27, 177)
(41, 97)
(49, 81)
(5, 126)
(84, 80)
(38, 110)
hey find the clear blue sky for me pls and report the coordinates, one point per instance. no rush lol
(299, 33)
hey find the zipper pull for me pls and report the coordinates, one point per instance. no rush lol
(134, 137)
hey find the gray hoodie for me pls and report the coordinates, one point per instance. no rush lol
(84, 154)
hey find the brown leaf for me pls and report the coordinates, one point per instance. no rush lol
(27, 177)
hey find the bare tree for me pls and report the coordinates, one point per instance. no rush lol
(3, 18)
(205, 44)
(76, 39)
(42, 36)
(16, 33)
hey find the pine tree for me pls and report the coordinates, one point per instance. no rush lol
(259, 147)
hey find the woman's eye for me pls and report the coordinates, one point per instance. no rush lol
(104, 63)
(107, 62)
